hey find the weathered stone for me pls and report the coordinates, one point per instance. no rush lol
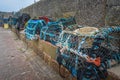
(110, 3)
(113, 16)
(91, 12)
(51, 8)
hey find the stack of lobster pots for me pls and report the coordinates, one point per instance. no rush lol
(75, 52)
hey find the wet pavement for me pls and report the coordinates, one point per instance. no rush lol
(19, 63)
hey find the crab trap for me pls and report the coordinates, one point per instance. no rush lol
(51, 32)
(53, 29)
(88, 52)
(66, 21)
(33, 28)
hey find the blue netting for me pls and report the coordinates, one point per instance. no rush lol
(33, 27)
(76, 54)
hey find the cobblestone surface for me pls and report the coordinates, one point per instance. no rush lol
(17, 63)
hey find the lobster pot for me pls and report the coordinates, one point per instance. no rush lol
(33, 27)
(51, 32)
(86, 34)
(110, 45)
(67, 21)
(114, 41)
(72, 39)
(88, 52)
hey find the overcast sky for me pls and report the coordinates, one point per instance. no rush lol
(14, 5)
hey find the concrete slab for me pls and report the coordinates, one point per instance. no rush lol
(19, 63)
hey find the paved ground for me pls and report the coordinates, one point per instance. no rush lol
(17, 63)
(115, 71)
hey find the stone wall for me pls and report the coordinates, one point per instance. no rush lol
(6, 14)
(112, 12)
(86, 12)
(51, 8)
(91, 12)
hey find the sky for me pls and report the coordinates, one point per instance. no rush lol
(14, 5)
